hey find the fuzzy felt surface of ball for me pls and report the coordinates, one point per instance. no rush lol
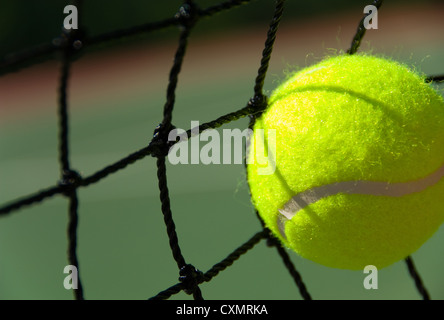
(355, 145)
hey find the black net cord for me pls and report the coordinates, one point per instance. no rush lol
(187, 16)
(69, 178)
(259, 103)
(167, 214)
(44, 51)
(360, 32)
(292, 270)
(416, 278)
(218, 267)
(174, 75)
(63, 113)
(268, 49)
(437, 79)
(72, 245)
(187, 272)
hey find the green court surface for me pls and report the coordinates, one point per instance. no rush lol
(123, 246)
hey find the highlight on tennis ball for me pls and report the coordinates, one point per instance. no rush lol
(359, 155)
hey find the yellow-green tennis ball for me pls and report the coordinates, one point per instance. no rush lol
(354, 166)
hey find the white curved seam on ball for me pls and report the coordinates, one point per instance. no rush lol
(399, 189)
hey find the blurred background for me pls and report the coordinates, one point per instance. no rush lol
(116, 95)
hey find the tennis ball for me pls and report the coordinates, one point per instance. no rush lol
(354, 152)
